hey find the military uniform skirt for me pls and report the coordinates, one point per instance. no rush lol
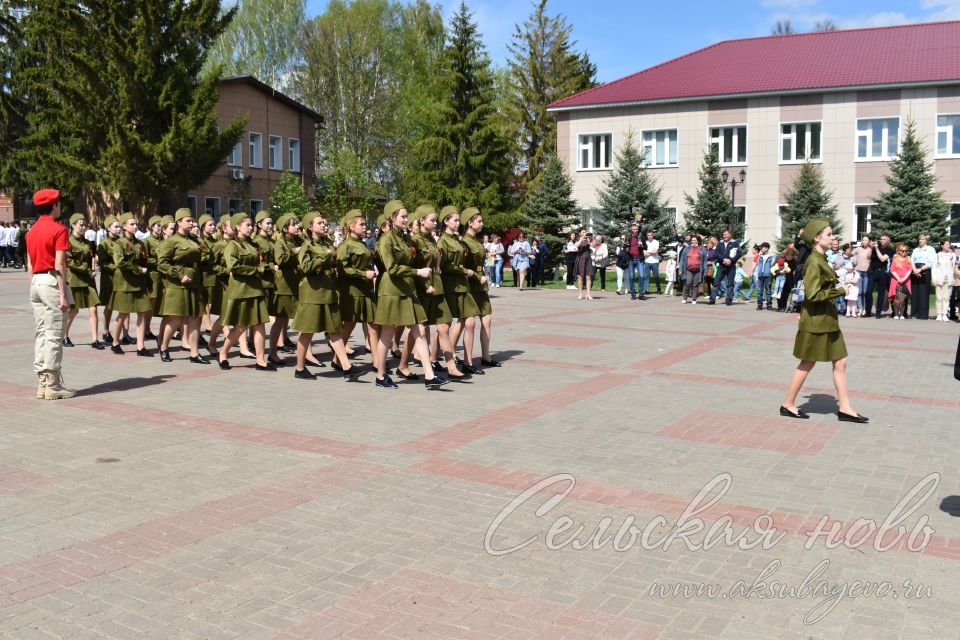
(399, 311)
(482, 300)
(271, 297)
(436, 308)
(462, 305)
(317, 318)
(216, 299)
(106, 288)
(155, 284)
(819, 347)
(245, 311)
(130, 301)
(84, 298)
(177, 301)
(355, 308)
(284, 306)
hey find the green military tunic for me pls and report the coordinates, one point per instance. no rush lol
(397, 300)
(434, 304)
(152, 243)
(131, 284)
(80, 273)
(245, 303)
(287, 277)
(264, 246)
(179, 256)
(475, 258)
(454, 275)
(318, 308)
(218, 295)
(357, 298)
(209, 269)
(818, 335)
(107, 268)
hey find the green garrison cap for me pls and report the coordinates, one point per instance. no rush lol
(813, 228)
(108, 221)
(165, 220)
(307, 219)
(262, 215)
(237, 218)
(182, 213)
(124, 217)
(350, 215)
(448, 211)
(422, 212)
(76, 218)
(283, 220)
(383, 219)
(392, 207)
(469, 212)
(153, 220)
(204, 219)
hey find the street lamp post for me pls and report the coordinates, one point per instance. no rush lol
(733, 193)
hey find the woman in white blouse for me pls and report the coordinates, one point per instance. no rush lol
(943, 279)
(923, 258)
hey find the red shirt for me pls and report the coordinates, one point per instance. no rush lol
(634, 247)
(45, 238)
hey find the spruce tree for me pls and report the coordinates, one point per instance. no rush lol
(807, 198)
(550, 206)
(289, 197)
(711, 210)
(631, 186)
(911, 207)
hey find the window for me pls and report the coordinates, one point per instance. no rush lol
(782, 212)
(234, 205)
(660, 148)
(192, 205)
(212, 206)
(955, 223)
(948, 135)
(800, 141)
(256, 150)
(730, 144)
(878, 138)
(256, 206)
(595, 151)
(276, 153)
(293, 161)
(740, 213)
(235, 159)
(671, 214)
(863, 215)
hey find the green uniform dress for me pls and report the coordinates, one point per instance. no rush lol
(318, 308)
(131, 285)
(80, 273)
(218, 296)
(818, 336)
(397, 301)
(453, 273)
(244, 300)
(152, 243)
(107, 268)
(474, 260)
(357, 298)
(286, 278)
(179, 256)
(265, 247)
(434, 304)
(209, 269)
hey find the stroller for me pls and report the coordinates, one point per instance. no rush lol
(797, 296)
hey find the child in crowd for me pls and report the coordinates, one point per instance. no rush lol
(738, 277)
(851, 285)
(779, 271)
(671, 272)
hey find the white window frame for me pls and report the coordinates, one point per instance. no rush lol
(235, 159)
(293, 159)
(736, 142)
(254, 208)
(650, 148)
(676, 214)
(780, 209)
(275, 153)
(215, 212)
(856, 234)
(948, 130)
(884, 143)
(746, 222)
(581, 146)
(808, 139)
(950, 223)
(192, 205)
(256, 152)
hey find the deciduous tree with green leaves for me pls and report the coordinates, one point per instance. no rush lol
(711, 210)
(550, 207)
(807, 198)
(289, 197)
(631, 186)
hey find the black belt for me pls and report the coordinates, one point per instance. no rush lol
(40, 273)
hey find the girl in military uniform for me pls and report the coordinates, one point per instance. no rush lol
(218, 294)
(152, 243)
(106, 266)
(208, 268)
(818, 335)
(131, 284)
(397, 302)
(180, 302)
(478, 284)
(357, 297)
(455, 273)
(286, 249)
(81, 280)
(318, 308)
(246, 304)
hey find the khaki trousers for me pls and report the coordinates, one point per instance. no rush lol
(49, 322)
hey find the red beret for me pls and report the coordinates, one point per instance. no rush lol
(45, 196)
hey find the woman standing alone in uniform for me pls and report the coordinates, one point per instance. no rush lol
(181, 296)
(81, 281)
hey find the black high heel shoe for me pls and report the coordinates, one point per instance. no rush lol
(490, 363)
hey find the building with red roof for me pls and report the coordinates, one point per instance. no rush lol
(838, 98)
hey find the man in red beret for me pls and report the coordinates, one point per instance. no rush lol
(47, 246)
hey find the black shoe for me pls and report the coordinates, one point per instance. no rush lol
(408, 376)
(633, 297)
(165, 356)
(224, 364)
(144, 353)
(760, 308)
(268, 367)
(159, 347)
(490, 363)
(149, 335)
(304, 374)
(729, 303)
(642, 297)
(67, 342)
(711, 301)
(396, 353)
(96, 344)
(117, 349)
(289, 348)
(352, 374)
(315, 363)
(437, 367)
(471, 370)
(198, 359)
(276, 362)
(107, 338)
(386, 383)
(435, 383)
(201, 341)
(846, 417)
(786, 413)
(127, 341)
(457, 360)
(335, 366)
(248, 357)
(177, 336)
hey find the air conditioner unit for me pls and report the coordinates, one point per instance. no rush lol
(236, 174)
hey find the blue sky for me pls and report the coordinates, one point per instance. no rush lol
(625, 36)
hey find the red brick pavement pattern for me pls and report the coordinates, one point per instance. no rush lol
(671, 358)
(804, 437)
(57, 570)
(414, 604)
(14, 480)
(559, 340)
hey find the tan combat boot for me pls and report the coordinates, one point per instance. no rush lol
(55, 389)
(41, 385)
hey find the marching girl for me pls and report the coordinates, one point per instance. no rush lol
(168, 227)
(207, 236)
(246, 304)
(131, 284)
(319, 306)
(263, 240)
(357, 296)
(397, 302)
(181, 300)
(431, 293)
(81, 281)
(152, 242)
(454, 273)
(222, 280)
(478, 285)
(286, 249)
(107, 268)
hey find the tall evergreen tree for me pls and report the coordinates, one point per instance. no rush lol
(550, 206)
(911, 207)
(13, 107)
(465, 160)
(807, 198)
(711, 210)
(631, 186)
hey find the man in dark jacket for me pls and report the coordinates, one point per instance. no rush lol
(728, 251)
